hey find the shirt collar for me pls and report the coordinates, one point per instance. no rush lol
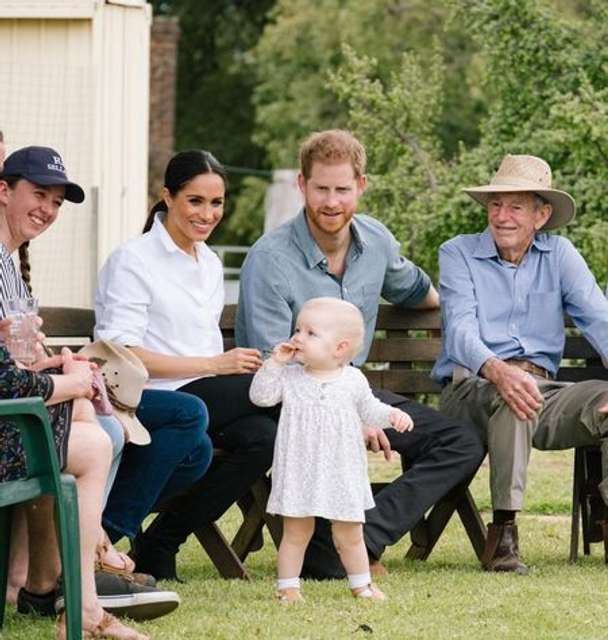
(486, 248)
(160, 231)
(4, 252)
(541, 242)
(358, 234)
(306, 242)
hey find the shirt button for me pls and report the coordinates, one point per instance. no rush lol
(345, 290)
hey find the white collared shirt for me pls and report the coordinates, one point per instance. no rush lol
(152, 294)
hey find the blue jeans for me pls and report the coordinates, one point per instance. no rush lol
(178, 456)
(113, 428)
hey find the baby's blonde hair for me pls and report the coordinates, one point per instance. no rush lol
(345, 319)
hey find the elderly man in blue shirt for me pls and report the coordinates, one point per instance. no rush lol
(503, 295)
(329, 250)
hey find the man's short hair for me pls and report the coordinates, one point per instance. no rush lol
(332, 147)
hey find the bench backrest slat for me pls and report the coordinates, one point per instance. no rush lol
(68, 322)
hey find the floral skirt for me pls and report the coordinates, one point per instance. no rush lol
(12, 454)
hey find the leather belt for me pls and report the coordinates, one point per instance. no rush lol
(530, 367)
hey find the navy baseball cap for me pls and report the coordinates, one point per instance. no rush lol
(43, 166)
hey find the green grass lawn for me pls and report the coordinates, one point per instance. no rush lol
(448, 596)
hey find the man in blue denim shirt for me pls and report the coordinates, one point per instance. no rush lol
(503, 295)
(327, 250)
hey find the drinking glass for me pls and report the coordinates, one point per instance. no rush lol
(22, 332)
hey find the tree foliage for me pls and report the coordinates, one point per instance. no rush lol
(215, 82)
(543, 80)
(302, 43)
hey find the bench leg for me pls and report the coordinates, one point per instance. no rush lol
(274, 524)
(221, 553)
(577, 483)
(249, 531)
(426, 534)
(254, 520)
(472, 522)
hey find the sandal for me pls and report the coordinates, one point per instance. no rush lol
(126, 567)
(369, 591)
(121, 564)
(289, 594)
(108, 627)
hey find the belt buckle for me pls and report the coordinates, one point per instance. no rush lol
(530, 367)
(537, 370)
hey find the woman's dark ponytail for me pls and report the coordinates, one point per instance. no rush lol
(161, 205)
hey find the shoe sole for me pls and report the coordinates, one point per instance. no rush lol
(139, 606)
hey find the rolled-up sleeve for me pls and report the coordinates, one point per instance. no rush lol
(264, 315)
(122, 300)
(461, 336)
(405, 284)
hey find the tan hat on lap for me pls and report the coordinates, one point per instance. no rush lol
(125, 377)
(528, 173)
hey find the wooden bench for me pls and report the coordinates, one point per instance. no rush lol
(405, 347)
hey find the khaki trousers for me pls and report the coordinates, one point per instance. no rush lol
(568, 418)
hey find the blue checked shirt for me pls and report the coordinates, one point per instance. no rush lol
(491, 307)
(286, 267)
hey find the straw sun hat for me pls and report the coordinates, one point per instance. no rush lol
(528, 173)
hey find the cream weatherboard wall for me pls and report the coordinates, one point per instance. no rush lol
(74, 75)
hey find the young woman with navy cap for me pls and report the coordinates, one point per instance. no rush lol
(33, 186)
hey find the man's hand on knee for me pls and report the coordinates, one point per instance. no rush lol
(376, 440)
(516, 387)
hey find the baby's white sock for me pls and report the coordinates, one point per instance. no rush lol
(358, 580)
(288, 583)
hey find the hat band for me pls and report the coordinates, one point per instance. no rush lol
(118, 404)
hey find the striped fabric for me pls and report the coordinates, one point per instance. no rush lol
(11, 283)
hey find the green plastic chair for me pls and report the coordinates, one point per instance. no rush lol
(43, 477)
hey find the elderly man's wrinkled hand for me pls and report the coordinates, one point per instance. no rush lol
(516, 387)
(376, 440)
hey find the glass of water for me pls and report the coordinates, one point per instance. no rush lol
(21, 339)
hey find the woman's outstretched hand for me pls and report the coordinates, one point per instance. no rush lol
(238, 360)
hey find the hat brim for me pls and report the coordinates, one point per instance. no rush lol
(73, 192)
(562, 203)
(138, 434)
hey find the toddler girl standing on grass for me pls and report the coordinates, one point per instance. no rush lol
(320, 460)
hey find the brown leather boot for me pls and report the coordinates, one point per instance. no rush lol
(502, 549)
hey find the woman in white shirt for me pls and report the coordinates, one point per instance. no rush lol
(162, 295)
